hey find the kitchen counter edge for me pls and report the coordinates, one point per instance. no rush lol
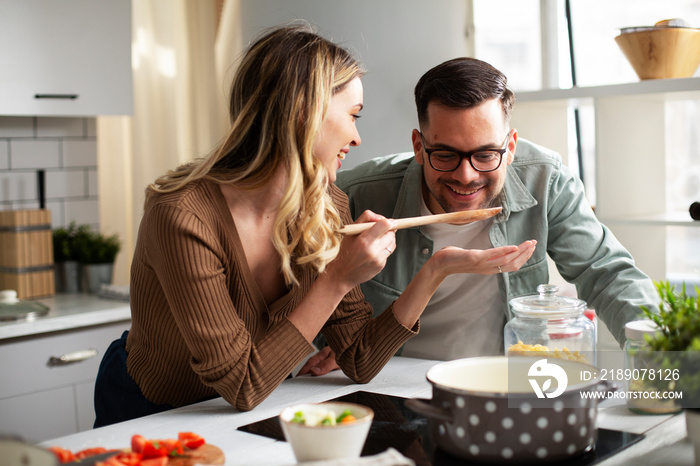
(68, 312)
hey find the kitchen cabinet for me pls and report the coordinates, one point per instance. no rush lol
(40, 399)
(633, 124)
(65, 57)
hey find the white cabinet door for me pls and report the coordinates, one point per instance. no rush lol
(39, 416)
(65, 57)
(41, 400)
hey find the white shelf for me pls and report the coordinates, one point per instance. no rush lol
(631, 138)
(671, 219)
(669, 89)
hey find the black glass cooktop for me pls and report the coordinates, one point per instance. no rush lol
(397, 426)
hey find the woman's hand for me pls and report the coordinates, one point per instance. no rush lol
(360, 258)
(363, 256)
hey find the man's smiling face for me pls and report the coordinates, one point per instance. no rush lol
(465, 130)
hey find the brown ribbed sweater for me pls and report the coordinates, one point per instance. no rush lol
(200, 325)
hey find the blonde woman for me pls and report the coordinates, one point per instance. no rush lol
(238, 263)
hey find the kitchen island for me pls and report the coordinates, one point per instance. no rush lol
(664, 440)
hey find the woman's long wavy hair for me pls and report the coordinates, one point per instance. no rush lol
(279, 96)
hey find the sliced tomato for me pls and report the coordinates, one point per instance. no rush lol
(590, 313)
(172, 446)
(138, 442)
(190, 440)
(162, 461)
(90, 452)
(63, 455)
(108, 462)
(111, 461)
(126, 459)
(153, 449)
(121, 459)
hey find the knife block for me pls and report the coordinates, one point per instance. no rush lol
(26, 253)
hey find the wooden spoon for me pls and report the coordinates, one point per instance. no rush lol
(458, 218)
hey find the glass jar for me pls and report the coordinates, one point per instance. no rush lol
(550, 326)
(644, 394)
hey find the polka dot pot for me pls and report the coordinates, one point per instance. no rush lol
(478, 415)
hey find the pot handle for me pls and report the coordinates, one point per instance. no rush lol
(426, 409)
(606, 386)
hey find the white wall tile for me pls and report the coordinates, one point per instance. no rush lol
(60, 127)
(30, 205)
(56, 208)
(79, 153)
(16, 127)
(4, 154)
(91, 127)
(66, 183)
(18, 186)
(83, 211)
(92, 183)
(34, 154)
(66, 148)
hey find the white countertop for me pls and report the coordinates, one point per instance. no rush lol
(69, 311)
(665, 439)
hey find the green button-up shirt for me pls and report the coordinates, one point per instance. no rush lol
(543, 201)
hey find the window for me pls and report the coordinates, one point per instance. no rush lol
(528, 41)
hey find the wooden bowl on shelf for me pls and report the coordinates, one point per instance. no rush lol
(664, 52)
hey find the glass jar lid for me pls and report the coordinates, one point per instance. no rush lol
(547, 305)
(637, 329)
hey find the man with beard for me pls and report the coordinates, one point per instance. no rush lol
(464, 158)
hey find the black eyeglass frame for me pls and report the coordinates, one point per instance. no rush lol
(467, 155)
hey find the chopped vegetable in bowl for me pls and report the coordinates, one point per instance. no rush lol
(322, 417)
(322, 431)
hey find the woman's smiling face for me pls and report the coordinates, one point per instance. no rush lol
(338, 130)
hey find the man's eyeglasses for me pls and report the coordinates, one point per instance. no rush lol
(482, 160)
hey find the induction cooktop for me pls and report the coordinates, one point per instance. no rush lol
(397, 426)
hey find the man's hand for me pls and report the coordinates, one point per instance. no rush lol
(320, 363)
(487, 262)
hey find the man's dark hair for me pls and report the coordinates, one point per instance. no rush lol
(462, 83)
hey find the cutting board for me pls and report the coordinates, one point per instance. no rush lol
(206, 454)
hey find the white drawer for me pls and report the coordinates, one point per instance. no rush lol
(24, 362)
(39, 416)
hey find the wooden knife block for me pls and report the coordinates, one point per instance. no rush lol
(26, 253)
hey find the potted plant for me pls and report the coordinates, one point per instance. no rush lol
(676, 348)
(96, 253)
(65, 258)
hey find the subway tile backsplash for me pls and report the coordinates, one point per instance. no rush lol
(66, 149)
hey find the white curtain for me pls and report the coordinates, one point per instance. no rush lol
(182, 54)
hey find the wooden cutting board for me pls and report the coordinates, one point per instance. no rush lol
(206, 454)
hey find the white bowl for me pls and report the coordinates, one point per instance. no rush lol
(313, 443)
